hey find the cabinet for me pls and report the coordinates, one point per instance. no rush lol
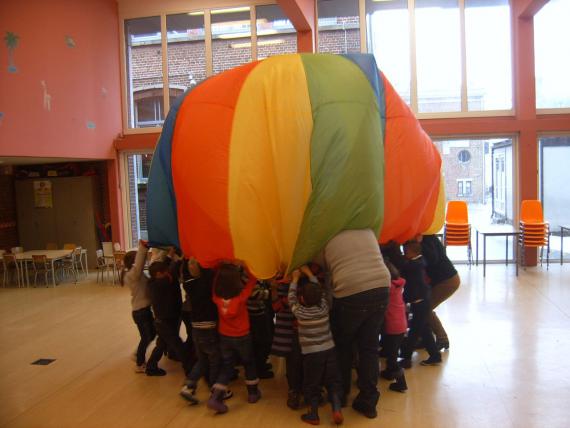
(70, 220)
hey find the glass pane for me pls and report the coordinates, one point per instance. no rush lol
(552, 55)
(186, 52)
(231, 38)
(554, 172)
(275, 33)
(480, 172)
(339, 26)
(488, 52)
(389, 40)
(144, 72)
(138, 167)
(438, 56)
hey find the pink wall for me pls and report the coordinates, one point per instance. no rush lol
(80, 115)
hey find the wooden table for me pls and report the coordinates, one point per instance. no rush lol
(496, 230)
(51, 255)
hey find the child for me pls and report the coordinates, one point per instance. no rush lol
(395, 326)
(232, 288)
(319, 356)
(166, 301)
(260, 329)
(134, 277)
(204, 319)
(286, 341)
(417, 293)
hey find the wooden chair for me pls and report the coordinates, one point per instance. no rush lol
(69, 246)
(51, 246)
(102, 266)
(457, 230)
(11, 266)
(41, 267)
(118, 264)
(70, 263)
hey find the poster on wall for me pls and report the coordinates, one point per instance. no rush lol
(42, 194)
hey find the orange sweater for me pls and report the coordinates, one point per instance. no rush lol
(233, 315)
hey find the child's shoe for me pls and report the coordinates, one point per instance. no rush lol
(312, 416)
(227, 394)
(155, 371)
(253, 394)
(433, 360)
(400, 385)
(189, 394)
(442, 343)
(294, 400)
(216, 401)
(388, 374)
(405, 363)
(338, 419)
(141, 368)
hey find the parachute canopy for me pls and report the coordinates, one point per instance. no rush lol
(266, 162)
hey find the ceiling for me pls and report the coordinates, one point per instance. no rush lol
(27, 160)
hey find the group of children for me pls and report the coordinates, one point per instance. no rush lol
(232, 319)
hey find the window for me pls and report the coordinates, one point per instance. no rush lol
(438, 56)
(231, 38)
(144, 72)
(420, 52)
(339, 26)
(485, 182)
(388, 26)
(137, 169)
(552, 55)
(186, 50)
(488, 52)
(554, 154)
(275, 33)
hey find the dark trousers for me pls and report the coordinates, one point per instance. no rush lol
(207, 346)
(145, 323)
(260, 330)
(390, 346)
(169, 338)
(321, 368)
(294, 366)
(186, 317)
(358, 319)
(420, 328)
(232, 349)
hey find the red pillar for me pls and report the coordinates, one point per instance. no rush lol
(302, 14)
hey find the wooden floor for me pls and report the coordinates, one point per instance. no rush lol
(508, 365)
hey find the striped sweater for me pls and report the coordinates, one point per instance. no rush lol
(313, 323)
(285, 328)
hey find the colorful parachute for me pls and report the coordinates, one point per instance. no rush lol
(268, 161)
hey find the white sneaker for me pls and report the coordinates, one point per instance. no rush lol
(140, 369)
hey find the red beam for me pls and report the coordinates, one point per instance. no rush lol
(530, 7)
(302, 14)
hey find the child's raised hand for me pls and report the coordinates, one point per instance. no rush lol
(296, 275)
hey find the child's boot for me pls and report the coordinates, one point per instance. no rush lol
(312, 416)
(253, 394)
(338, 419)
(400, 384)
(216, 401)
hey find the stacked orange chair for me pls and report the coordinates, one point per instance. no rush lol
(534, 231)
(457, 230)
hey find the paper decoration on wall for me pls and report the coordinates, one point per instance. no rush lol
(47, 97)
(42, 194)
(11, 40)
(69, 42)
(90, 124)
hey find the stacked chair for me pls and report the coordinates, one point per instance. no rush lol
(457, 230)
(534, 232)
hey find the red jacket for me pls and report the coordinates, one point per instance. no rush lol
(233, 315)
(395, 321)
